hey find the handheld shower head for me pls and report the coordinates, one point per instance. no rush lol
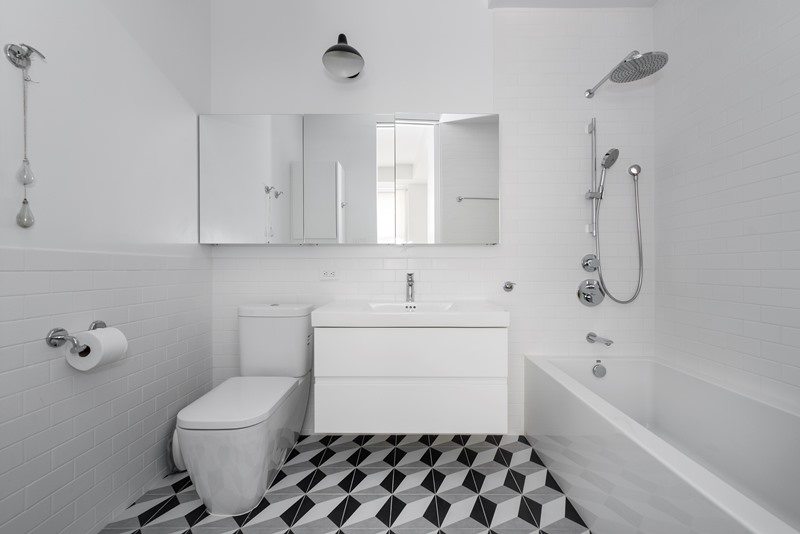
(634, 171)
(610, 158)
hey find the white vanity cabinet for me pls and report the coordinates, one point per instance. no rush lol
(442, 369)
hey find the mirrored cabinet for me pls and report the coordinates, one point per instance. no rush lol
(398, 178)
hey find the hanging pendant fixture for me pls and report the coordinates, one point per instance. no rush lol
(20, 56)
(25, 173)
(25, 217)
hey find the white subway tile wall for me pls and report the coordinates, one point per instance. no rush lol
(544, 60)
(76, 446)
(728, 194)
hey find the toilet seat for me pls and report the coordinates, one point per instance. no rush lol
(239, 402)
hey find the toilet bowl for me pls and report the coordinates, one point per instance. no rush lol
(233, 439)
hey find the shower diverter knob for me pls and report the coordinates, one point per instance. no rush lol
(590, 293)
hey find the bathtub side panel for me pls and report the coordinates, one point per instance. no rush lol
(751, 445)
(616, 485)
(628, 385)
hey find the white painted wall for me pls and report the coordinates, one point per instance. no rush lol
(266, 57)
(538, 81)
(176, 36)
(112, 142)
(728, 191)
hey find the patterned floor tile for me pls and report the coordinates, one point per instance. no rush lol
(370, 484)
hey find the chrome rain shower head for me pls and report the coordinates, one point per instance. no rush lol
(634, 67)
(610, 158)
(639, 67)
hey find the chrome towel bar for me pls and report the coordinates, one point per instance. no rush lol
(459, 199)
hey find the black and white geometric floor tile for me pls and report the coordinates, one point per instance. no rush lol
(414, 484)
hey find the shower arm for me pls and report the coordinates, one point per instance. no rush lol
(590, 92)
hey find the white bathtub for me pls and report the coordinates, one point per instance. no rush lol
(652, 449)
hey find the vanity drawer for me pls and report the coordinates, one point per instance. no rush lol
(411, 405)
(411, 352)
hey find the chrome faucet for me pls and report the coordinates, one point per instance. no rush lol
(409, 287)
(591, 337)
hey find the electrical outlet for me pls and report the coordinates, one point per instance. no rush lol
(327, 274)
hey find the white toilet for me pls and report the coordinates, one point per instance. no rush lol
(233, 438)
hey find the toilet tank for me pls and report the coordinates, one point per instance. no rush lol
(275, 339)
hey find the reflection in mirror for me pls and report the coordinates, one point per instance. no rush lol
(415, 199)
(349, 179)
(385, 183)
(251, 176)
(340, 175)
(447, 178)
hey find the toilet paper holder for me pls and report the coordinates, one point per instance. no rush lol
(58, 336)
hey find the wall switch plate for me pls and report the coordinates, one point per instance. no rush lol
(327, 274)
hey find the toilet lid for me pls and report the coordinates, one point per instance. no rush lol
(238, 402)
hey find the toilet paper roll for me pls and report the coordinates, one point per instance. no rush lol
(104, 345)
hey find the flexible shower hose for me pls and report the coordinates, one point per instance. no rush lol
(641, 256)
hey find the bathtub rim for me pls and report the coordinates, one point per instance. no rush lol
(741, 508)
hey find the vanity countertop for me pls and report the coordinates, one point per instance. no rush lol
(365, 314)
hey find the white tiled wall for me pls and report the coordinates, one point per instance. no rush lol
(76, 446)
(468, 162)
(544, 60)
(728, 193)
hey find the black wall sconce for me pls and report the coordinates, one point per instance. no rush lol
(342, 60)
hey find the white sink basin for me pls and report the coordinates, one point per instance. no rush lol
(410, 307)
(466, 314)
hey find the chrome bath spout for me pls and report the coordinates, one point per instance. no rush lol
(591, 337)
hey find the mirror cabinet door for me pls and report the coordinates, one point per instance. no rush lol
(345, 171)
(251, 178)
(469, 185)
(349, 179)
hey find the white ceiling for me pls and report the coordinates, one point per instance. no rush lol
(499, 4)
